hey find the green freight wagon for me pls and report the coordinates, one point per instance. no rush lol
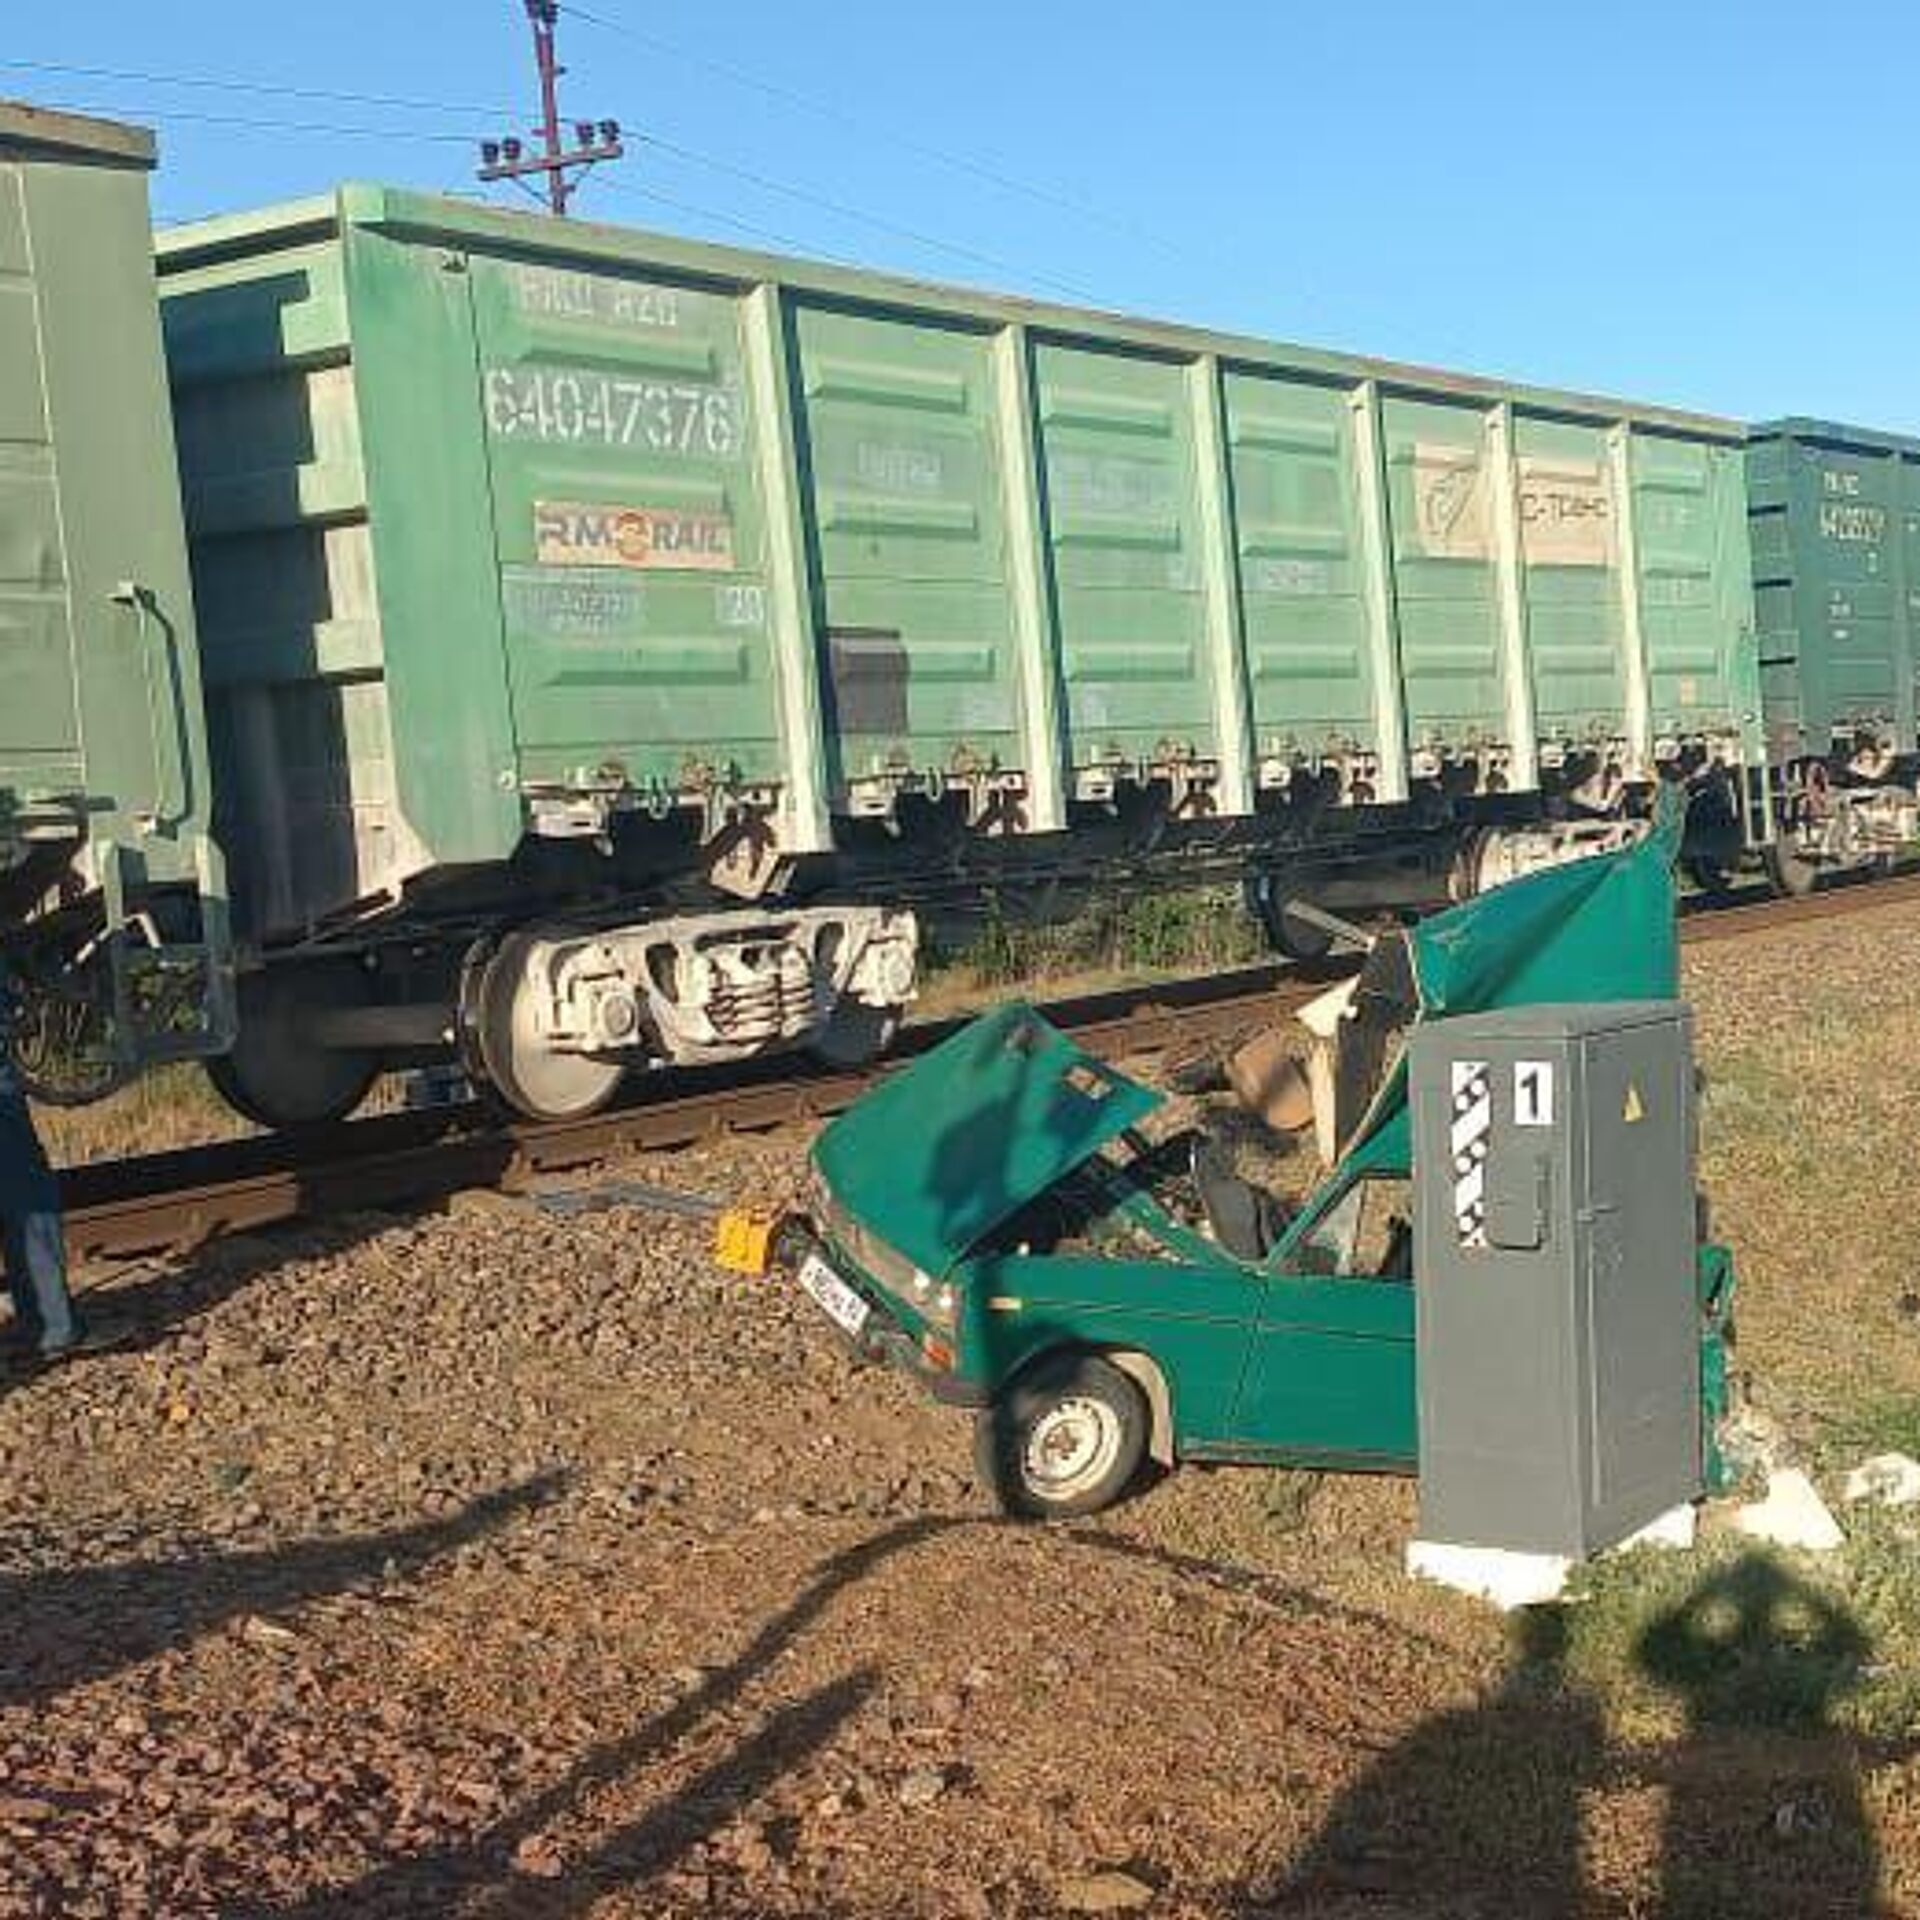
(112, 910)
(1836, 557)
(606, 633)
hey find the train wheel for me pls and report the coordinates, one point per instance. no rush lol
(276, 1074)
(1791, 876)
(532, 1076)
(65, 1035)
(856, 1035)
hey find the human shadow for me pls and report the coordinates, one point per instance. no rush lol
(1764, 1809)
(483, 1869)
(67, 1626)
(1264, 1589)
(1479, 1805)
(1480, 1808)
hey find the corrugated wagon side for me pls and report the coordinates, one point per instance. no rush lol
(623, 625)
(112, 896)
(1836, 548)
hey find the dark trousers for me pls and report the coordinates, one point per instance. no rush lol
(30, 1230)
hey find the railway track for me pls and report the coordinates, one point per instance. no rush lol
(171, 1202)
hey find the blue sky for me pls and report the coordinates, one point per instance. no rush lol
(1698, 203)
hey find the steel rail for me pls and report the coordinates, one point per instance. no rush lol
(171, 1202)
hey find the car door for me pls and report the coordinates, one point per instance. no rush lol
(1197, 1318)
(1330, 1373)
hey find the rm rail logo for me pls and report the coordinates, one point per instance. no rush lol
(568, 534)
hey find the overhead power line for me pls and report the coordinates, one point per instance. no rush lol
(782, 187)
(495, 110)
(194, 116)
(995, 175)
(806, 196)
(217, 84)
(338, 129)
(767, 235)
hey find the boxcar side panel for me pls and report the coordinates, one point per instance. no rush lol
(1576, 640)
(901, 464)
(629, 529)
(266, 407)
(1833, 538)
(1124, 537)
(429, 505)
(1689, 511)
(1441, 506)
(1297, 493)
(39, 714)
(1846, 507)
(1906, 561)
(1775, 613)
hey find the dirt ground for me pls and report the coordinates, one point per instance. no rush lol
(498, 1563)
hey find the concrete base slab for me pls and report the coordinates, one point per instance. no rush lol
(1512, 1579)
(1676, 1529)
(1792, 1515)
(1499, 1574)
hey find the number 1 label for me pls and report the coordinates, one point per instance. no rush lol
(1533, 1093)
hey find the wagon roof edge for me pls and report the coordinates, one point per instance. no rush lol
(428, 216)
(54, 130)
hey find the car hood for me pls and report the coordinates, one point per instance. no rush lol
(944, 1151)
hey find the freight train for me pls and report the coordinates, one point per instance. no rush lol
(606, 650)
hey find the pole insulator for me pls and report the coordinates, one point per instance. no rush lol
(594, 141)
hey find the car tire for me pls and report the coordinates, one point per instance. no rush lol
(1065, 1439)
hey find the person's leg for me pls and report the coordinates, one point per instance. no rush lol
(44, 1257)
(26, 1310)
(36, 1249)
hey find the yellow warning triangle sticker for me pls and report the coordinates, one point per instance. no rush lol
(1634, 1109)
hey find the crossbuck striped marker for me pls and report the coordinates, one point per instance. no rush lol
(1472, 1118)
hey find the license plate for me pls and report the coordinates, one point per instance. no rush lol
(840, 1303)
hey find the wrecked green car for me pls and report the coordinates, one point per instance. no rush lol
(992, 1220)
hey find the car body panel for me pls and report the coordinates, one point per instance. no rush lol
(943, 1152)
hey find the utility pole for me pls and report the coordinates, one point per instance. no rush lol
(594, 140)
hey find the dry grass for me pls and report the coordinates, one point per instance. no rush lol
(1117, 941)
(174, 1107)
(1807, 1125)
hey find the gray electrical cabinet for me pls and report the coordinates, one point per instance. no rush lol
(1554, 1243)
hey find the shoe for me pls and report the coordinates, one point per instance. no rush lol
(87, 1338)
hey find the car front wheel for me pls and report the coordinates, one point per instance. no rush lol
(1065, 1440)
